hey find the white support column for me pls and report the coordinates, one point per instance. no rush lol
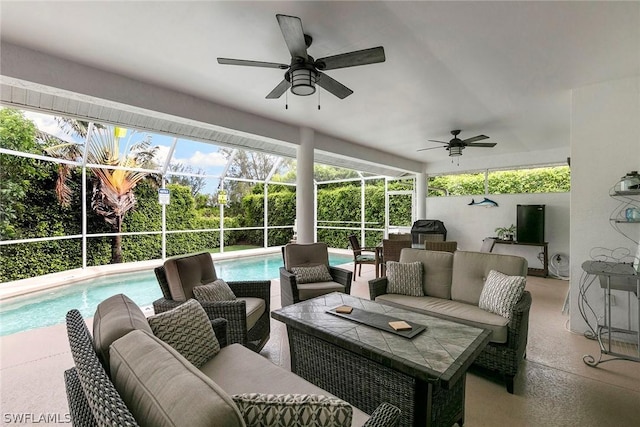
(421, 195)
(305, 186)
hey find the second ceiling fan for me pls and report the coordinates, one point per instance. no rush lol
(456, 145)
(304, 72)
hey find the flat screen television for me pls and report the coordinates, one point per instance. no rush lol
(530, 223)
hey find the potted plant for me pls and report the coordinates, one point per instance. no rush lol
(506, 233)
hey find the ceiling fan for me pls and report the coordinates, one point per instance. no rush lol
(304, 72)
(456, 145)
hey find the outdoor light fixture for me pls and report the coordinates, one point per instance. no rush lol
(455, 150)
(303, 81)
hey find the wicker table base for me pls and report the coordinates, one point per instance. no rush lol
(353, 362)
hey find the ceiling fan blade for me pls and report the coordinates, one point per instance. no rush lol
(333, 86)
(430, 148)
(441, 142)
(482, 144)
(352, 59)
(475, 138)
(291, 27)
(245, 62)
(279, 90)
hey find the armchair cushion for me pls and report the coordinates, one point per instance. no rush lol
(186, 272)
(114, 318)
(405, 278)
(311, 290)
(317, 273)
(305, 255)
(303, 410)
(501, 293)
(218, 290)
(188, 330)
(255, 309)
(168, 391)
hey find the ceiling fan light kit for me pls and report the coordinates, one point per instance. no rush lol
(303, 81)
(304, 72)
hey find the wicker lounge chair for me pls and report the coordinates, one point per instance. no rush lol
(194, 270)
(448, 246)
(309, 255)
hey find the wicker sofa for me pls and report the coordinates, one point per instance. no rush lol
(148, 382)
(452, 284)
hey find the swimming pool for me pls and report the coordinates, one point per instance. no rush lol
(50, 307)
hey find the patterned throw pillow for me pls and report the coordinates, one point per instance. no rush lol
(188, 330)
(218, 290)
(501, 293)
(300, 410)
(404, 278)
(317, 273)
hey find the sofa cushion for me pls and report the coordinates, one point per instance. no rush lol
(239, 370)
(456, 311)
(255, 309)
(436, 270)
(302, 410)
(501, 293)
(311, 290)
(161, 388)
(186, 272)
(470, 270)
(305, 255)
(114, 318)
(316, 273)
(218, 290)
(187, 329)
(404, 278)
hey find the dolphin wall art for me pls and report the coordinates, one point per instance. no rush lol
(487, 203)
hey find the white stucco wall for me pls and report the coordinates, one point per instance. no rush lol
(605, 145)
(468, 225)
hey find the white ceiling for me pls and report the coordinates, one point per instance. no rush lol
(504, 69)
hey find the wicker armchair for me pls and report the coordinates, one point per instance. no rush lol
(199, 269)
(362, 255)
(308, 255)
(391, 251)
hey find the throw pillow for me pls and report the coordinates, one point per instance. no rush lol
(306, 410)
(404, 278)
(501, 293)
(317, 273)
(218, 290)
(188, 330)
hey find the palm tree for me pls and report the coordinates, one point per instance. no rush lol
(112, 195)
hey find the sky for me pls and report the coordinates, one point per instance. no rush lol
(197, 154)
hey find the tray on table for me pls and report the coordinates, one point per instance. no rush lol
(379, 321)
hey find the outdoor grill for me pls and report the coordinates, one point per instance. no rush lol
(428, 229)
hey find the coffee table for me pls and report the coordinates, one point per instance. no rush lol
(423, 376)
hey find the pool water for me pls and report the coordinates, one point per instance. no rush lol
(48, 308)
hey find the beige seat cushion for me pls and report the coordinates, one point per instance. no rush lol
(114, 318)
(470, 270)
(238, 370)
(456, 311)
(161, 388)
(255, 309)
(186, 272)
(311, 290)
